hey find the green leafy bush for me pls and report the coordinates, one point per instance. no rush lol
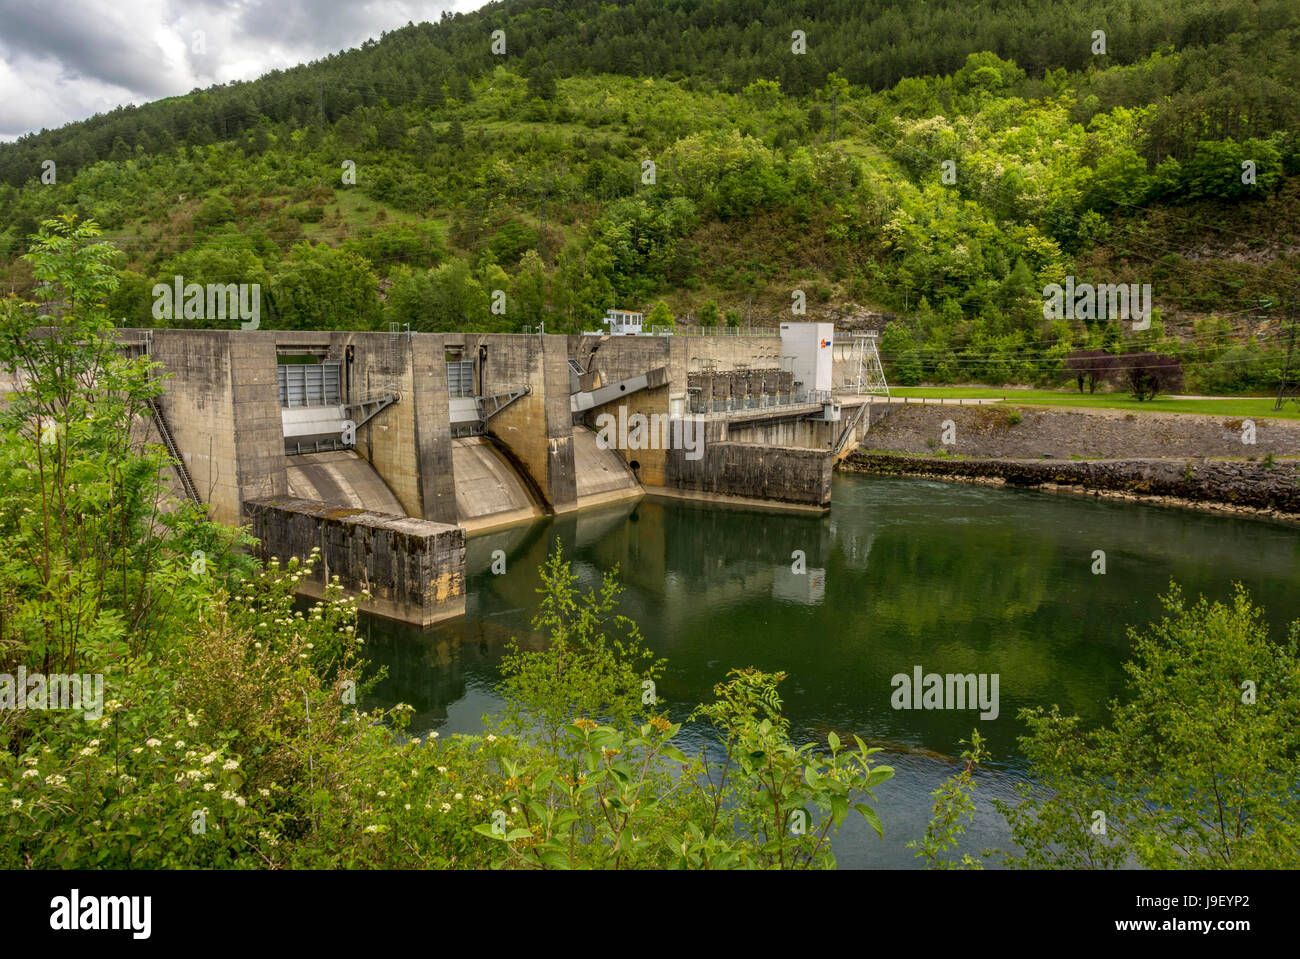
(1198, 764)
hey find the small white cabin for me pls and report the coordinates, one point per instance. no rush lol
(623, 323)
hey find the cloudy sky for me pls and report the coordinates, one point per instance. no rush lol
(63, 60)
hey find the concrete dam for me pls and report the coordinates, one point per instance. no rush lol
(386, 449)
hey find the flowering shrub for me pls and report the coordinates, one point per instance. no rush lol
(136, 788)
(409, 804)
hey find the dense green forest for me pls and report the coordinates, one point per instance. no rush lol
(934, 164)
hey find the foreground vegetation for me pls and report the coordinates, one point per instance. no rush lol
(230, 734)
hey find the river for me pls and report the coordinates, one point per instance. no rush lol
(953, 578)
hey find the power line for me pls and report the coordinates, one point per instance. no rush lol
(1289, 389)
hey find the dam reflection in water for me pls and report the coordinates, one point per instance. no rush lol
(901, 573)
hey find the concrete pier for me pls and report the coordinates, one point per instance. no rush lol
(413, 569)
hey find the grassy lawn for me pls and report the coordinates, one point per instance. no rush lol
(1255, 407)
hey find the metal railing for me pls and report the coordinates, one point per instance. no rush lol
(727, 331)
(758, 401)
(939, 400)
(294, 447)
(856, 420)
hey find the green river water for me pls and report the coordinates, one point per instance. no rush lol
(901, 573)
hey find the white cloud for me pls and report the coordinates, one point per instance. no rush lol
(65, 60)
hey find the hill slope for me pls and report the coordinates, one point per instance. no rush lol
(938, 163)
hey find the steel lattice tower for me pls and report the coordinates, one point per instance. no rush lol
(871, 374)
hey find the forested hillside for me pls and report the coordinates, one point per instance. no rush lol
(925, 166)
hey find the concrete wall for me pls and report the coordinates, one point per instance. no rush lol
(488, 490)
(414, 569)
(428, 402)
(259, 430)
(614, 358)
(649, 465)
(340, 478)
(809, 434)
(799, 477)
(619, 357)
(1060, 434)
(222, 405)
(538, 428)
(561, 476)
(381, 362)
(730, 352)
(602, 474)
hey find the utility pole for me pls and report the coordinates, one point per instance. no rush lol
(1290, 386)
(554, 175)
(541, 228)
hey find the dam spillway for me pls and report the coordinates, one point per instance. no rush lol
(339, 477)
(474, 431)
(489, 491)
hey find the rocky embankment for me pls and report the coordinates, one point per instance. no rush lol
(1246, 487)
(1198, 461)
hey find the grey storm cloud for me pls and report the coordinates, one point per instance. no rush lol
(304, 22)
(83, 46)
(65, 60)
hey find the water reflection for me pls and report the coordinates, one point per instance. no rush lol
(955, 578)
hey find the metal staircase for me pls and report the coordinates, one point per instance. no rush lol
(173, 450)
(848, 428)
